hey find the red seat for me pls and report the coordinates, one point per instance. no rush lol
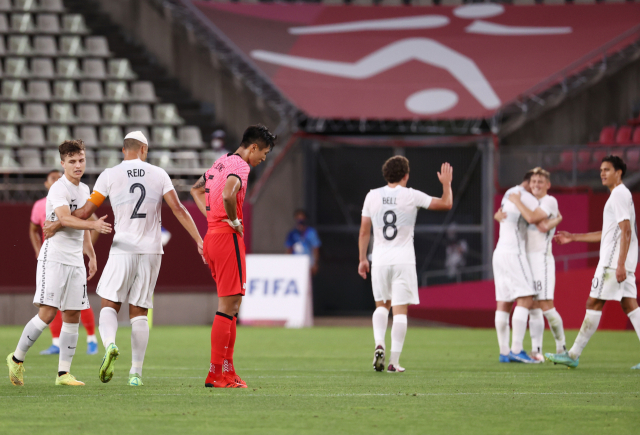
(608, 136)
(584, 160)
(633, 159)
(566, 161)
(623, 136)
(634, 121)
(635, 139)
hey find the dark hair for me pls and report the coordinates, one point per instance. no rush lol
(300, 211)
(258, 134)
(617, 162)
(70, 147)
(528, 175)
(395, 168)
(52, 172)
(132, 144)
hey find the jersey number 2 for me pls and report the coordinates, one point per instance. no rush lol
(389, 220)
(143, 193)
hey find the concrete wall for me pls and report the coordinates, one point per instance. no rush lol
(169, 309)
(579, 118)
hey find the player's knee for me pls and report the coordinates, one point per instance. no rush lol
(628, 305)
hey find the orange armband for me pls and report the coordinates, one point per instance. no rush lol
(96, 198)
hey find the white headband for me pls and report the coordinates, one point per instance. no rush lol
(137, 135)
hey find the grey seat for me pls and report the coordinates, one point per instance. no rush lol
(13, 90)
(71, 46)
(118, 91)
(16, 67)
(5, 5)
(39, 90)
(36, 113)
(89, 114)
(62, 113)
(68, 68)
(190, 137)
(111, 136)
(208, 157)
(20, 45)
(9, 135)
(22, 23)
(121, 69)
(45, 46)
(51, 158)
(140, 114)
(97, 46)
(161, 158)
(33, 135)
(143, 92)
(114, 114)
(48, 23)
(7, 161)
(25, 5)
(57, 134)
(164, 137)
(4, 24)
(109, 158)
(90, 158)
(42, 68)
(91, 91)
(3, 50)
(10, 113)
(30, 158)
(87, 134)
(186, 159)
(74, 23)
(94, 69)
(167, 114)
(51, 5)
(65, 90)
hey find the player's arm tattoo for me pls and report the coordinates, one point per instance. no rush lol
(200, 183)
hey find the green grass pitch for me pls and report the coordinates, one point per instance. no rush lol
(320, 381)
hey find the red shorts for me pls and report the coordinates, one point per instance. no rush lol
(225, 253)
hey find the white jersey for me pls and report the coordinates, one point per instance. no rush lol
(537, 241)
(393, 214)
(619, 208)
(135, 189)
(513, 227)
(66, 245)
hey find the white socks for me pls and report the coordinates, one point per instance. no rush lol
(139, 341)
(108, 326)
(634, 316)
(557, 328)
(68, 344)
(30, 334)
(519, 325)
(502, 328)
(55, 341)
(380, 319)
(398, 333)
(91, 339)
(588, 328)
(536, 329)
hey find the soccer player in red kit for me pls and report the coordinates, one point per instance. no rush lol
(219, 194)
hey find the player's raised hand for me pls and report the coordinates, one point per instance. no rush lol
(563, 237)
(101, 226)
(363, 268)
(446, 174)
(93, 268)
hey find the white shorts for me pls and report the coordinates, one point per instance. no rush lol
(130, 275)
(396, 283)
(605, 286)
(543, 267)
(61, 286)
(512, 276)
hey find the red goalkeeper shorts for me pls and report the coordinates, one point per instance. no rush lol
(225, 254)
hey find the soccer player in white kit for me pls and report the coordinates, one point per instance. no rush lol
(136, 190)
(392, 211)
(512, 275)
(542, 223)
(615, 278)
(61, 280)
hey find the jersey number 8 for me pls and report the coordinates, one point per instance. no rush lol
(389, 220)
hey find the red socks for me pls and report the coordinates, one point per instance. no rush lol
(88, 321)
(56, 325)
(228, 359)
(220, 333)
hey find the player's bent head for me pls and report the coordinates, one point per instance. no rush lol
(395, 169)
(617, 163)
(70, 148)
(528, 175)
(259, 135)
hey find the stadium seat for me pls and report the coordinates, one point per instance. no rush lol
(3, 51)
(33, 135)
(62, 113)
(208, 157)
(39, 90)
(7, 161)
(29, 158)
(10, 113)
(74, 23)
(42, 68)
(140, 114)
(190, 137)
(91, 91)
(36, 113)
(22, 23)
(635, 139)
(186, 160)
(109, 158)
(4, 25)
(598, 155)
(161, 158)
(121, 69)
(167, 114)
(71, 46)
(48, 23)
(117, 91)
(16, 67)
(89, 114)
(87, 134)
(143, 92)
(114, 114)
(94, 69)
(45, 46)
(111, 136)
(633, 159)
(607, 135)
(90, 158)
(25, 5)
(65, 90)
(5, 5)
(51, 158)
(68, 68)
(164, 137)
(623, 135)
(97, 46)
(20, 45)
(57, 134)
(9, 135)
(584, 160)
(51, 5)
(13, 90)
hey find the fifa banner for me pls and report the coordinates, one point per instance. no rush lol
(278, 291)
